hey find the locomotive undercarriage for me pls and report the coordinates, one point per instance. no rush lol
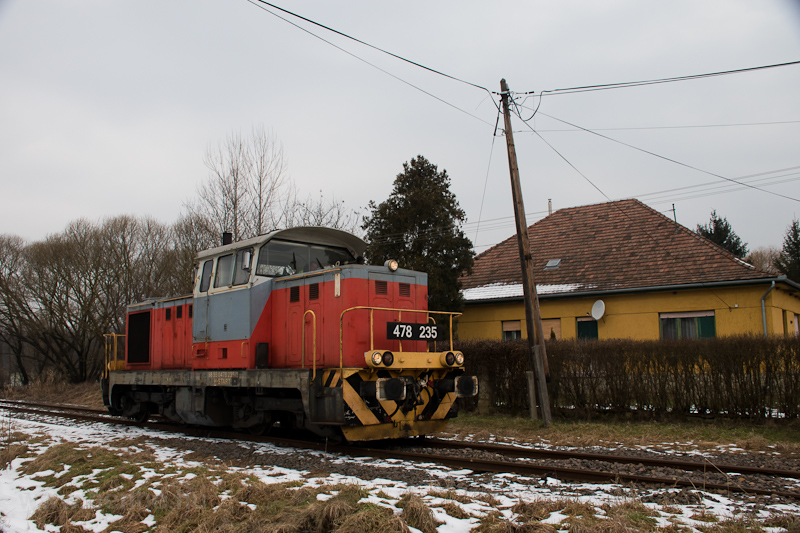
(357, 404)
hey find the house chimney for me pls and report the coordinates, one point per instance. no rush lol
(227, 238)
(549, 206)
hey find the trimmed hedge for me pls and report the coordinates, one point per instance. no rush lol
(743, 376)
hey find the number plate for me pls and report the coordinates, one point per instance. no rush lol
(406, 331)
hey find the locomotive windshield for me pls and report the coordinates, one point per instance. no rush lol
(284, 258)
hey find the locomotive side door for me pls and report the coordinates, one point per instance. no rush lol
(304, 331)
(391, 292)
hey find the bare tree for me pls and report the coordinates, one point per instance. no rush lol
(224, 195)
(190, 234)
(321, 212)
(63, 322)
(60, 295)
(764, 258)
(267, 181)
(13, 301)
(246, 191)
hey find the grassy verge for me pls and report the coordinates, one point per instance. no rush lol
(701, 433)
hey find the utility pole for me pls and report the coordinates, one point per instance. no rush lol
(533, 318)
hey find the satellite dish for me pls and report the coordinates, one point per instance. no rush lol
(598, 309)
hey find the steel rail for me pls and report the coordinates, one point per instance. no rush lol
(706, 466)
(475, 465)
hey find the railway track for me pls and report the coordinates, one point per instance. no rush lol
(570, 466)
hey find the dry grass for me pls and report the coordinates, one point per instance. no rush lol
(788, 522)
(373, 519)
(417, 514)
(704, 434)
(494, 522)
(85, 394)
(10, 452)
(536, 510)
(455, 510)
(733, 525)
(633, 514)
(56, 512)
(450, 494)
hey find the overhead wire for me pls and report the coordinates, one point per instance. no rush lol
(351, 54)
(671, 160)
(623, 85)
(401, 58)
(616, 205)
(554, 92)
(486, 180)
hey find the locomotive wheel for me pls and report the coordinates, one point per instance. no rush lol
(260, 429)
(142, 416)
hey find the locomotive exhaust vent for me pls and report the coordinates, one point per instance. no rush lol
(405, 290)
(313, 291)
(294, 294)
(381, 287)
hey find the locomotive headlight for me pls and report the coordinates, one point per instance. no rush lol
(377, 358)
(388, 358)
(391, 264)
(449, 358)
(459, 358)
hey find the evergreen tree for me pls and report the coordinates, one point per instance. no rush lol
(788, 262)
(419, 225)
(720, 232)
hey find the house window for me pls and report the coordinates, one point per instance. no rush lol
(512, 329)
(551, 327)
(552, 264)
(692, 325)
(587, 328)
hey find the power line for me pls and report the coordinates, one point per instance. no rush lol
(401, 58)
(257, 2)
(694, 126)
(670, 159)
(624, 85)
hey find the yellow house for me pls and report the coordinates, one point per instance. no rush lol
(623, 270)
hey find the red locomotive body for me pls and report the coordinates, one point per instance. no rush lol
(290, 327)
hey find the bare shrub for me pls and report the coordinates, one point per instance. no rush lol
(735, 376)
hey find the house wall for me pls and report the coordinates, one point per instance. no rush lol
(737, 310)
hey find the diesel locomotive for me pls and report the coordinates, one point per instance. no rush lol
(291, 328)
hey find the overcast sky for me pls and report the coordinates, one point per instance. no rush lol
(107, 107)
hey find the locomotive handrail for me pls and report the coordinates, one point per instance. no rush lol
(313, 341)
(110, 348)
(451, 316)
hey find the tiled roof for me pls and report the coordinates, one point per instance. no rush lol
(605, 247)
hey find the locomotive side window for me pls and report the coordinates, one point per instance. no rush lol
(205, 278)
(243, 260)
(224, 271)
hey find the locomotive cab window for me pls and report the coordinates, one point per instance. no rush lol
(205, 277)
(241, 274)
(224, 271)
(283, 258)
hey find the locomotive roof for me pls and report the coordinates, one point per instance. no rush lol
(305, 234)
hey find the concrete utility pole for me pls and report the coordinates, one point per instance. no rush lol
(533, 318)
